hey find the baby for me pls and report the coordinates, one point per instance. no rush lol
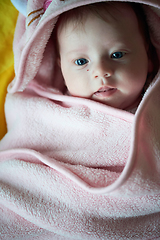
(104, 53)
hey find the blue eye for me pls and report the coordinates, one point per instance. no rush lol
(81, 61)
(117, 55)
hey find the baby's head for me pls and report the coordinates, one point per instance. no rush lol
(103, 53)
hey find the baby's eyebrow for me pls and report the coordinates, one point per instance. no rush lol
(77, 50)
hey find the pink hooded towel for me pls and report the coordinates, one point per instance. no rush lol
(72, 168)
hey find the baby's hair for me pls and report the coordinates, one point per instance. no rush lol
(78, 16)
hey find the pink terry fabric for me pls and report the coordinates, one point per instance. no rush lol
(72, 168)
(46, 4)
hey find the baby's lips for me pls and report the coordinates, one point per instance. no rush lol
(105, 91)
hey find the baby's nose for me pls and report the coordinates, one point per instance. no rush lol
(102, 69)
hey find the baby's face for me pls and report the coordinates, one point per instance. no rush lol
(105, 61)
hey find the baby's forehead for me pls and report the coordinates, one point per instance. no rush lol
(116, 11)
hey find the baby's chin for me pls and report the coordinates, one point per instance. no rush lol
(134, 104)
(113, 104)
(109, 100)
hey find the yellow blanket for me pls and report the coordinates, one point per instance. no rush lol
(8, 17)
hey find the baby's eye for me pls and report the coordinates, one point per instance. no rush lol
(81, 61)
(117, 55)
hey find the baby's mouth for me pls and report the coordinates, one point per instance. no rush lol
(105, 92)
